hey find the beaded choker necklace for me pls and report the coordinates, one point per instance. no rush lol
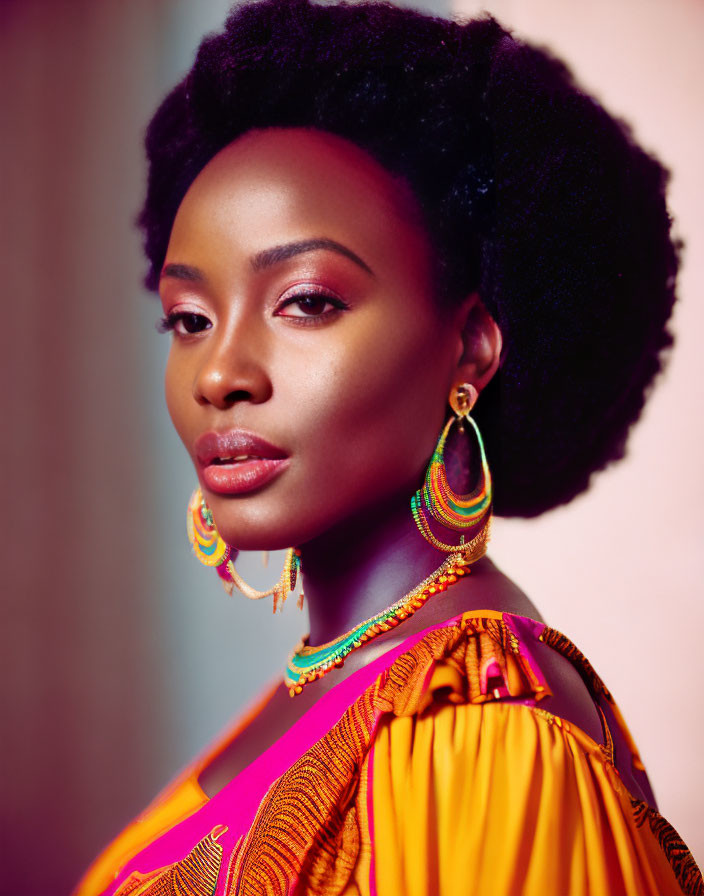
(307, 663)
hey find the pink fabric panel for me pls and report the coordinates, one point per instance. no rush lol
(236, 804)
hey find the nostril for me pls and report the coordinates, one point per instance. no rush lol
(238, 395)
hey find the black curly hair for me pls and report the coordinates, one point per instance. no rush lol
(531, 192)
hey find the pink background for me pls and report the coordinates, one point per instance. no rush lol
(121, 656)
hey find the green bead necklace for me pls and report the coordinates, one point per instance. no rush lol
(307, 663)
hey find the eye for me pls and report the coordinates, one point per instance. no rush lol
(311, 306)
(185, 323)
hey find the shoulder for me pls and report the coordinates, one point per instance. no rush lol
(489, 766)
(494, 657)
(490, 655)
(570, 697)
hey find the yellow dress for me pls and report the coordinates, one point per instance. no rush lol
(442, 777)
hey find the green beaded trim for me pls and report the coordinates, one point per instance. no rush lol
(307, 663)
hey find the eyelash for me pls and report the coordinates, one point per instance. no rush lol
(169, 322)
(313, 294)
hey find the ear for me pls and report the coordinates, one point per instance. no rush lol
(479, 343)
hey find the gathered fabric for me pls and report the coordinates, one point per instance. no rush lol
(432, 771)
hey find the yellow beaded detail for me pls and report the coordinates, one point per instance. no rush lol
(212, 550)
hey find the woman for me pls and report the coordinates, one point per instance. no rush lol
(415, 277)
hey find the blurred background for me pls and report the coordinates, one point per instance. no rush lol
(122, 656)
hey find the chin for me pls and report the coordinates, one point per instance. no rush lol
(254, 535)
(256, 542)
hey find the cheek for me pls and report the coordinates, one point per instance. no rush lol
(370, 411)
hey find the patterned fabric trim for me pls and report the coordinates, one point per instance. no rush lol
(305, 837)
(306, 824)
(562, 644)
(196, 875)
(681, 860)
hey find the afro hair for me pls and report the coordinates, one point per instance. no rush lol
(532, 193)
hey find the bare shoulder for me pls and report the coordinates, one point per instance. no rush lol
(571, 698)
(488, 588)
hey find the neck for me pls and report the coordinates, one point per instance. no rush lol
(361, 566)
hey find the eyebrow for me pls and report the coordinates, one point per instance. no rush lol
(182, 272)
(269, 257)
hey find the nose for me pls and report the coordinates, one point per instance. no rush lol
(232, 369)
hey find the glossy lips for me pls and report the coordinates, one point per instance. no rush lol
(216, 453)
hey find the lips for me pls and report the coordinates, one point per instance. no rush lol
(226, 447)
(238, 461)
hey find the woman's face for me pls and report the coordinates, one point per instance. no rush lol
(300, 276)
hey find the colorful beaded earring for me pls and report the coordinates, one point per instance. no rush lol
(212, 550)
(436, 497)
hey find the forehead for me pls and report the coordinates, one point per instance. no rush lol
(276, 179)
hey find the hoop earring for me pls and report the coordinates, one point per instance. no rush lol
(210, 548)
(454, 511)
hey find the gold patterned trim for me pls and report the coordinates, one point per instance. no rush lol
(306, 823)
(681, 860)
(562, 644)
(196, 875)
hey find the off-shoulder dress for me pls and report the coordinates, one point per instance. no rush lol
(431, 771)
